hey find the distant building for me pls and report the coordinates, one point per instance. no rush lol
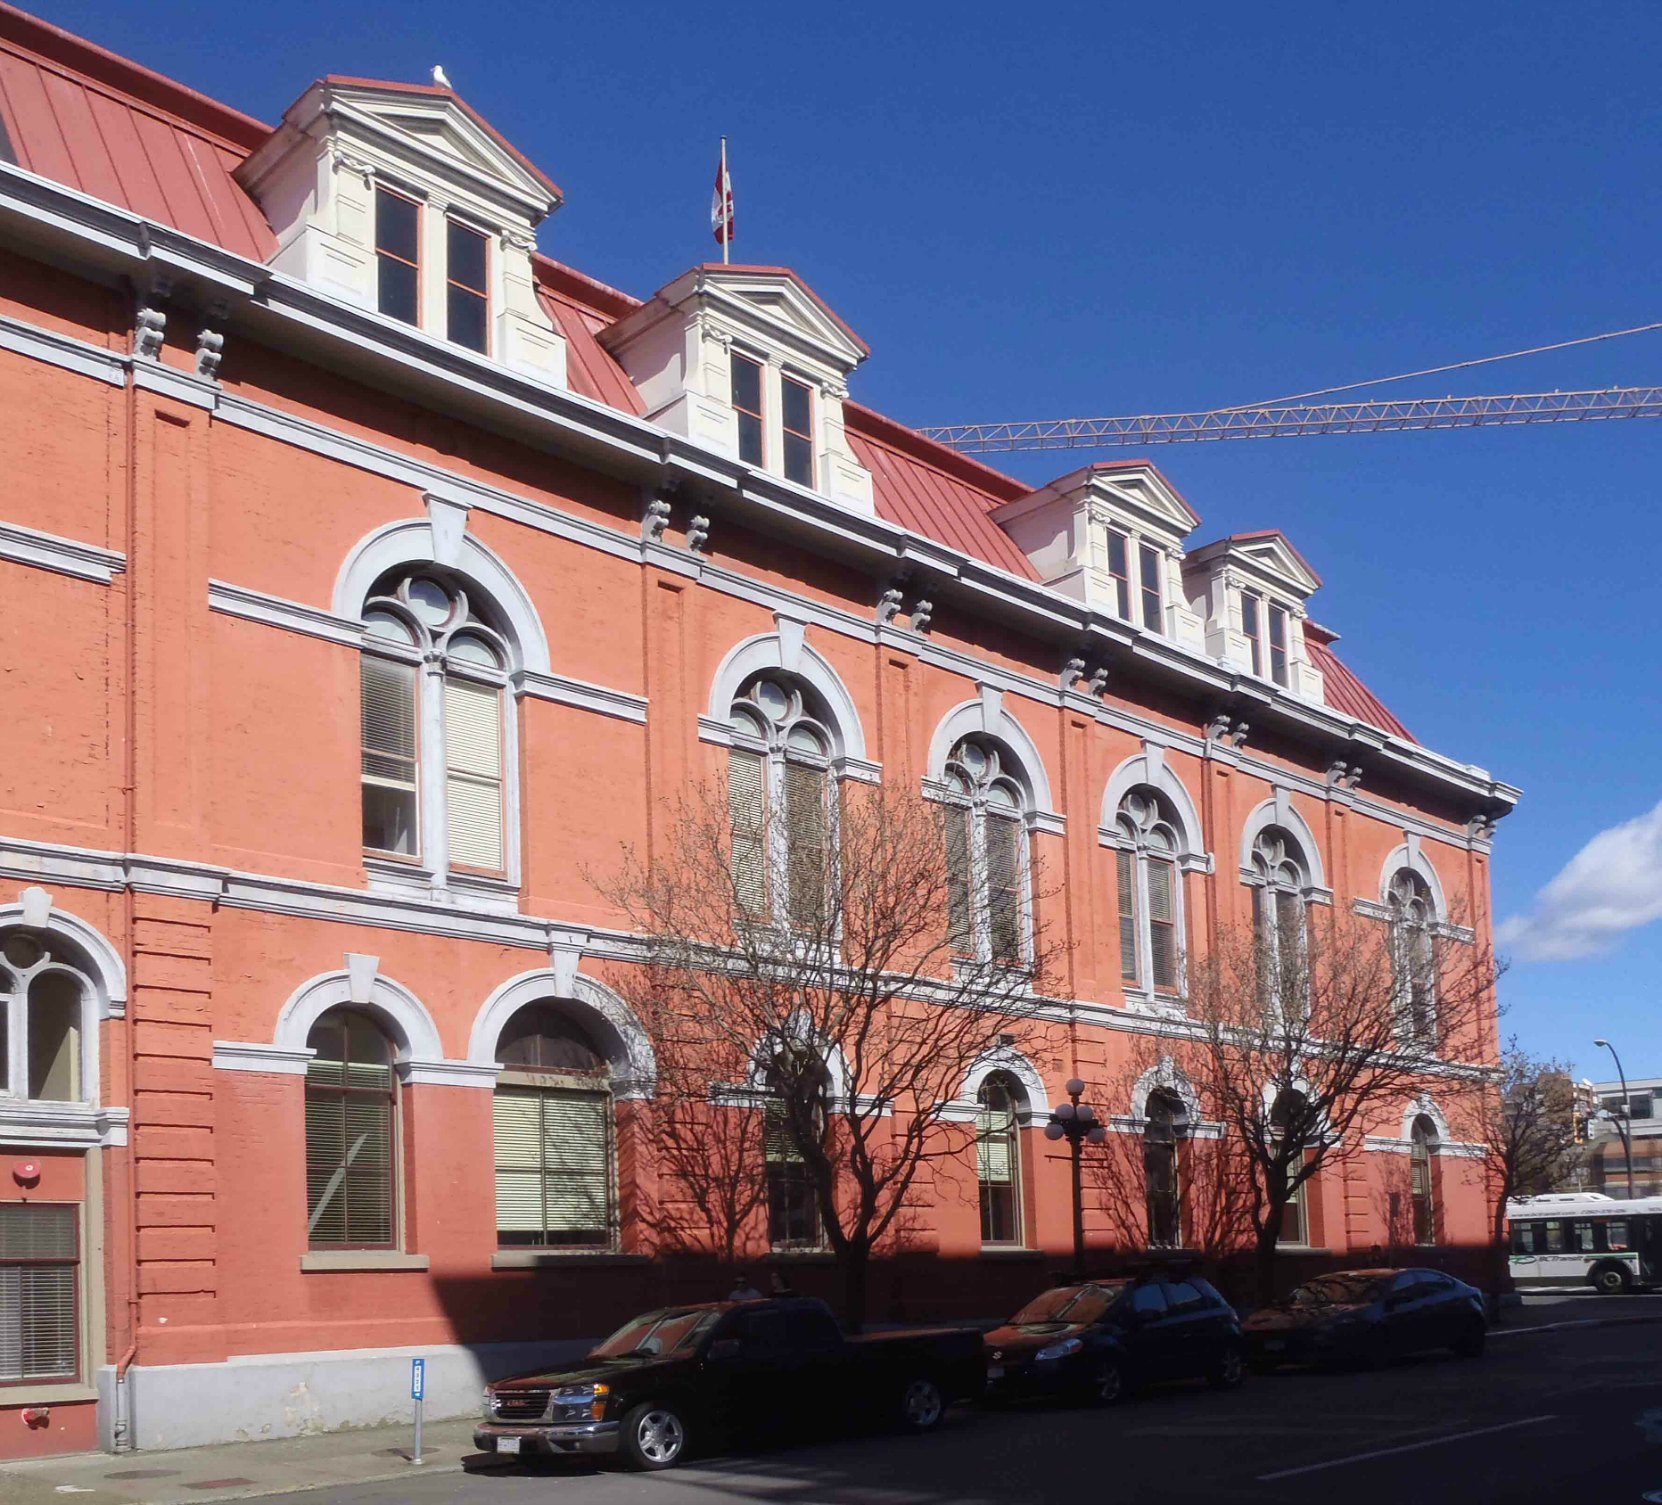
(1641, 1115)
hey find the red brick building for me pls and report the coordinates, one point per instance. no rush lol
(368, 576)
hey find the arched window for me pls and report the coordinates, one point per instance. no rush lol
(554, 1135)
(986, 853)
(42, 1001)
(795, 1077)
(1422, 1185)
(998, 1158)
(1289, 1112)
(435, 672)
(780, 799)
(1167, 1123)
(1413, 955)
(1150, 892)
(351, 1134)
(1280, 876)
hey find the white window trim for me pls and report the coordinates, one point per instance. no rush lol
(976, 806)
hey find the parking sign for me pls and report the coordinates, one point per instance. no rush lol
(418, 1378)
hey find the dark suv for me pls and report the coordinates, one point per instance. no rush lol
(1099, 1340)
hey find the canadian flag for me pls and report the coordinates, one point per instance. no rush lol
(721, 203)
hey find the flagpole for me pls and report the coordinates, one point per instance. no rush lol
(726, 207)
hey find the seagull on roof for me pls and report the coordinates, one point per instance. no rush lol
(440, 79)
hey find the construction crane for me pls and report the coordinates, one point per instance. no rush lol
(1297, 419)
(1296, 416)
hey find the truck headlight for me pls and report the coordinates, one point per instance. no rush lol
(1057, 1351)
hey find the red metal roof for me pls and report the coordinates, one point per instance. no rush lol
(580, 308)
(924, 487)
(1344, 692)
(96, 123)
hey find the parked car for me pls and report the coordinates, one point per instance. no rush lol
(728, 1370)
(1099, 1340)
(1365, 1316)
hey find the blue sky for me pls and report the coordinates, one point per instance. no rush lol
(1113, 208)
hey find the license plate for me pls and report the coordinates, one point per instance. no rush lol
(1275, 1345)
(507, 1444)
(995, 1371)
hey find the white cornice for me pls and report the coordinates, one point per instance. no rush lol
(292, 315)
(63, 556)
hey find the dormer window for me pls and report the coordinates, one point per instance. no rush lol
(747, 407)
(1148, 571)
(398, 255)
(796, 418)
(467, 301)
(401, 198)
(1266, 633)
(1119, 570)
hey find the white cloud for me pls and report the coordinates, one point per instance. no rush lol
(1612, 885)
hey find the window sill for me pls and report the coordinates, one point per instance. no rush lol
(319, 1260)
(800, 1257)
(1010, 1251)
(539, 1259)
(46, 1393)
(1301, 1249)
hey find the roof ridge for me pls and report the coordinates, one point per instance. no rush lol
(109, 71)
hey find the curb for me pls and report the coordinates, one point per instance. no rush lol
(1556, 1327)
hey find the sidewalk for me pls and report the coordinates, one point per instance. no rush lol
(236, 1470)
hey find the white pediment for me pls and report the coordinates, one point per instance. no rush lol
(1275, 558)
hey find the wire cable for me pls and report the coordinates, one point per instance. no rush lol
(1482, 360)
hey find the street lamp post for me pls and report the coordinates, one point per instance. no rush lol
(1076, 1122)
(1626, 1133)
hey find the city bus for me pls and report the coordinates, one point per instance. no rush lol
(1586, 1238)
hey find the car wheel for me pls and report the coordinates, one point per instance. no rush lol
(1107, 1386)
(1611, 1281)
(921, 1405)
(654, 1437)
(1469, 1345)
(1229, 1371)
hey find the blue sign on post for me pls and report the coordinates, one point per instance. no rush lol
(418, 1378)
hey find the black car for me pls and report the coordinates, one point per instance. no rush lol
(1365, 1316)
(1099, 1340)
(728, 1370)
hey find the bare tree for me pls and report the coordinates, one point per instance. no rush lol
(1525, 1120)
(1169, 1179)
(836, 981)
(1309, 1031)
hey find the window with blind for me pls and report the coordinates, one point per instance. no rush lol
(1166, 1120)
(351, 1134)
(1279, 875)
(389, 756)
(473, 772)
(780, 793)
(554, 1135)
(43, 997)
(793, 1211)
(1422, 1187)
(39, 1292)
(986, 859)
(1413, 955)
(998, 1160)
(429, 641)
(1150, 892)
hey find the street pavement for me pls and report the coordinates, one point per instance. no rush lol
(1565, 1406)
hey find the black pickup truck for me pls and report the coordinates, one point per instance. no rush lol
(729, 1370)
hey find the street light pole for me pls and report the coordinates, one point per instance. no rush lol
(1076, 1122)
(1627, 1133)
